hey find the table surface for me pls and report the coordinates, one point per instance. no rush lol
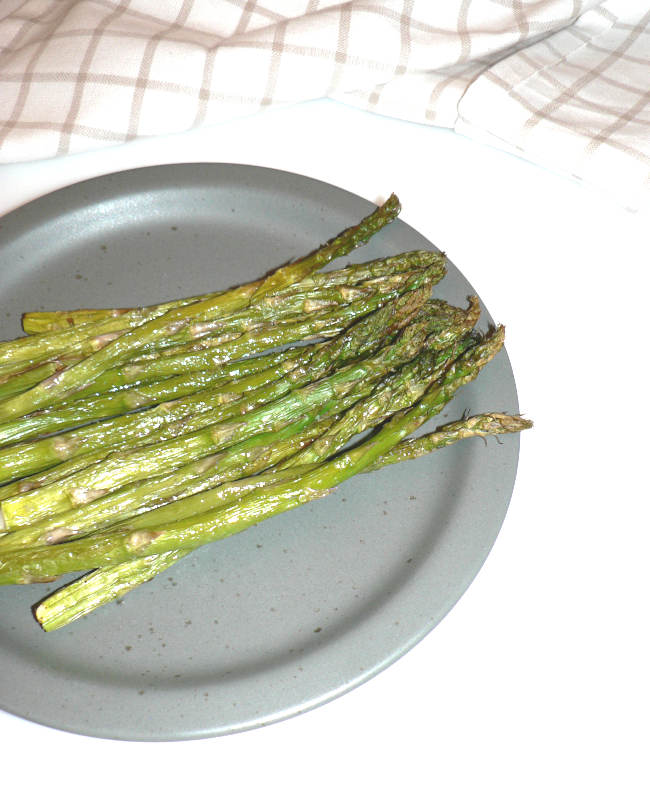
(539, 674)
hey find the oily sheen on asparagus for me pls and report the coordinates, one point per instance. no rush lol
(129, 437)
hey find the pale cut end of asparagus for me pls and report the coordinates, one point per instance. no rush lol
(84, 595)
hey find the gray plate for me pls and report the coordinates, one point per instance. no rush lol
(306, 606)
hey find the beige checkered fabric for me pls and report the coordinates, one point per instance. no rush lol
(578, 101)
(563, 82)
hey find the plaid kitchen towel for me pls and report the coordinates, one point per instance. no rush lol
(562, 82)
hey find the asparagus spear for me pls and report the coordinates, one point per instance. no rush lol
(289, 309)
(244, 373)
(62, 470)
(168, 491)
(100, 479)
(353, 275)
(15, 383)
(484, 425)
(199, 359)
(255, 341)
(374, 403)
(315, 326)
(62, 319)
(318, 292)
(141, 333)
(224, 381)
(124, 543)
(113, 582)
(92, 409)
(398, 390)
(100, 587)
(24, 458)
(103, 585)
(321, 290)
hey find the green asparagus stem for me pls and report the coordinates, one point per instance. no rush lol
(103, 585)
(340, 246)
(367, 406)
(261, 339)
(484, 425)
(315, 293)
(190, 356)
(375, 273)
(168, 491)
(124, 543)
(124, 319)
(244, 374)
(123, 468)
(84, 411)
(87, 410)
(13, 384)
(55, 388)
(200, 359)
(205, 436)
(396, 391)
(62, 320)
(100, 587)
(181, 434)
(35, 457)
(63, 470)
(25, 458)
(184, 415)
(399, 390)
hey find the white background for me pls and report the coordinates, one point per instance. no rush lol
(539, 675)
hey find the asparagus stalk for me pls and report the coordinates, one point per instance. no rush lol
(374, 272)
(15, 383)
(63, 319)
(104, 477)
(108, 584)
(364, 408)
(25, 458)
(100, 587)
(244, 374)
(199, 359)
(315, 326)
(145, 332)
(398, 390)
(255, 341)
(104, 585)
(86, 410)
(124, 543)
(169, 491)
(62, 470)
(223, 388)
(317, 292)
(483, 426)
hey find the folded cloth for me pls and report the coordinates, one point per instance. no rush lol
(559, 81)
(577, 101)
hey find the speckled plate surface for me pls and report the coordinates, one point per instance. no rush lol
(309, 604)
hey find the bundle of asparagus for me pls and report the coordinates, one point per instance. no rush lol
(130, 437)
